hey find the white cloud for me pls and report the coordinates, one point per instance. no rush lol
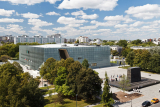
(69, 20)
(38, 22)
(147, 11)
(17, 14)
(126, 19)
(67, 13)
(52, 1)
(78, 13)
(114, 18)
(137, 23)
(65, 28)
(52, 13)
(106, 5)
(28, 2)
(108, 23)
(13, 28)
(30, 15)
(74, 25)
(8, 20)
(83, 15)
(94, 16)
(88, 27)
(121, 26)
(6, 12)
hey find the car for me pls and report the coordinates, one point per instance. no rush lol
(155, 100)
(146, 104)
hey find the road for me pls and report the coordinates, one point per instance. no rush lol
(156, 105)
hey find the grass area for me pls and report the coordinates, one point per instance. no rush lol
(114, 62)
(14, 58)
(68, 102)
(99, 105)
(125, 67)
(43, 88)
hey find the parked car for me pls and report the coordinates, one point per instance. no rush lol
(155, 100)
(146, 104)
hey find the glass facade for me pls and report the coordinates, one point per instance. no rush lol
(97, 56)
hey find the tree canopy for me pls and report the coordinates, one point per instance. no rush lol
(85, 63)
(18, 89)
(71, 78)
(122, 43)
(106, 96)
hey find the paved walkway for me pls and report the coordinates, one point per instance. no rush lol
(48, 94)
(148, 92)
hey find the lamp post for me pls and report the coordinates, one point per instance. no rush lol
(129, 98)
(76, 99)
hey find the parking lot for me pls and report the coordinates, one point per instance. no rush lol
(148, 92)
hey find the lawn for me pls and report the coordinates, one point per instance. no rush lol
(115, 62)
(125, 67)
(68, 102)
(43, 88)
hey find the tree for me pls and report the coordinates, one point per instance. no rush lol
(142, 58)
(108, 43)
(88, 84)
(130, 57)
(124, 83)
(104, 41)
(72, 75)
(122, 43)
(137, 42)
(106, 96)
(125, 51)
(17, 55)
(114, 52)
(77, 41)
(155, 50)
(4, 58)
(61, 76)
(18, 89)
(154, 63)
(85, 63)
(48, 70)
(145, 56)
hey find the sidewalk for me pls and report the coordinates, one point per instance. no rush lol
(51, 94)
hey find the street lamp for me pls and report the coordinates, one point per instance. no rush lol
(129, 98)
(76, 99)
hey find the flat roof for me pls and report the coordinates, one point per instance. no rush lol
(61, 45)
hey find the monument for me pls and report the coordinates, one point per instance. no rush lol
(134, 74)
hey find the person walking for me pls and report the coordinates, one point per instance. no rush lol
(159, 90)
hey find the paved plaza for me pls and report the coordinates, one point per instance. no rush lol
(148, 92)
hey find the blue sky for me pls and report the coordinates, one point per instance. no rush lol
(104, 19)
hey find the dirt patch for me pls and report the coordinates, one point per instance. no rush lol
(121, 96)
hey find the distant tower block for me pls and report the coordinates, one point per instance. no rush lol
(134, 74)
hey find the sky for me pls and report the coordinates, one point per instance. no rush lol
(104, 19)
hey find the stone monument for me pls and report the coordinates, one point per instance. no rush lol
(134, 74)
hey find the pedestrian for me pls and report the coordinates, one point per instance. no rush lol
(159, 90)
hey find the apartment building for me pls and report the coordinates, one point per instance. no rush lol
(38, 38)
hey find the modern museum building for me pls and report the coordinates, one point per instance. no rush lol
(33, 56)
